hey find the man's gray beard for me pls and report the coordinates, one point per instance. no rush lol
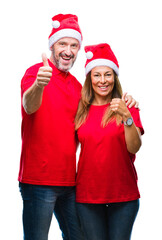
(59, 65)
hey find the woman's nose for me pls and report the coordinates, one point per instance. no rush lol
(102, 79)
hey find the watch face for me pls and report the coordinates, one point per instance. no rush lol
(129, 121)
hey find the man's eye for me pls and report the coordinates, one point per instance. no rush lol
(74, 46)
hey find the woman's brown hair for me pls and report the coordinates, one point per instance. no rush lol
(87, 97)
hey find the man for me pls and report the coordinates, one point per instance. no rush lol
(50, 96)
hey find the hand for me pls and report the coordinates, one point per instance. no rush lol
(118, 106)
(44, 73)
(130, 101)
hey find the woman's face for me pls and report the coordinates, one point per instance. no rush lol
(102, 78)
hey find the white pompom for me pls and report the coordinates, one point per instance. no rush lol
(56, 24)
(89, 55)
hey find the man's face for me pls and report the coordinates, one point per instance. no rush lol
(64, 53)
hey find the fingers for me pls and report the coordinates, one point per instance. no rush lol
(124, 97)
(137, 105)
(43, 77)
(41, 84)
(129, 100)
(44, 73)
(45, 60)
(46, 67)
(114, 104)
(131, 103)
(118, 106)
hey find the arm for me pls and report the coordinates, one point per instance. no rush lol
(132, 133)
(32, 98)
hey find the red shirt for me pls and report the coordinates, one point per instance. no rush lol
(48, 154)
(106, 172)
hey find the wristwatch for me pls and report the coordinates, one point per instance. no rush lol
(128, 122)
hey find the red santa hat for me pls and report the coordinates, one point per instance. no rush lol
(100, 55)
(65, 25)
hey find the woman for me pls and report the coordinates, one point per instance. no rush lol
(107, 194)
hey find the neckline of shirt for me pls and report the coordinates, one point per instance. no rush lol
(57, 71)
(103, 105)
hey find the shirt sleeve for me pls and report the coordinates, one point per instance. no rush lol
(29, 78)
(136, 118)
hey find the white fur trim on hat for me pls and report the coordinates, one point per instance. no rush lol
(101, 62)
(55, 24)
(65, 33)
(89, 55)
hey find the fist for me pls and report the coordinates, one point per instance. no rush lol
(118, 106)
(44, 73)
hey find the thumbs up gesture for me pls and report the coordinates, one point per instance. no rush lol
(44, 73)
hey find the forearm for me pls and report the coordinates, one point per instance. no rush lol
(32, 98)
(132, 134)
(132, 137)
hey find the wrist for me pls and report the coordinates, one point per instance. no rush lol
(126, 116)
(127, 119)
(38, 86)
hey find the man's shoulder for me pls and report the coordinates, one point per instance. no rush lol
(34, 68)
(30, 76)
(75, 81)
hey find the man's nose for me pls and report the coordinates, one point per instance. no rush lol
(68, 51)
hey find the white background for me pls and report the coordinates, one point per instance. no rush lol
(133, 29)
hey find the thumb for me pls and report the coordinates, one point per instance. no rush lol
(45, 60)
(124, 96)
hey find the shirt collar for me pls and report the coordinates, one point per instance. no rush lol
(56, 71)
